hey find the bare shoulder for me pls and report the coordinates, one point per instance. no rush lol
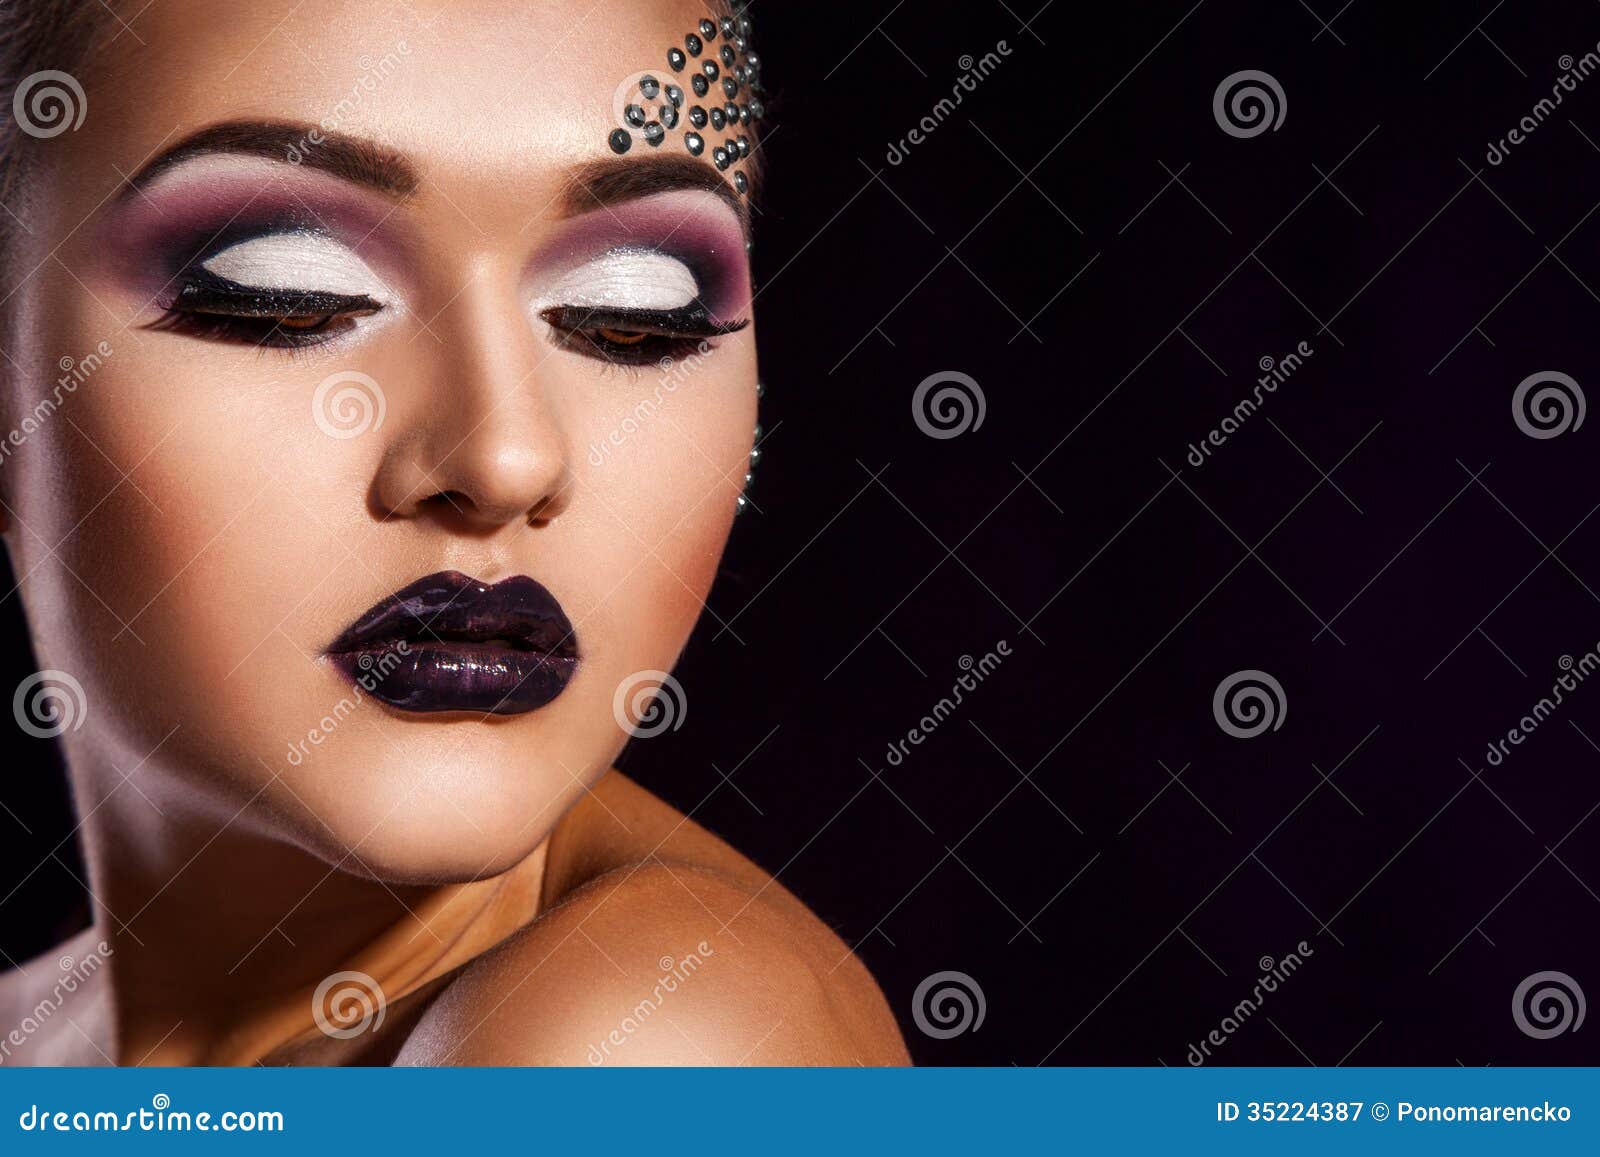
(669, 948)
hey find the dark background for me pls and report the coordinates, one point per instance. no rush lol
(1083, 239)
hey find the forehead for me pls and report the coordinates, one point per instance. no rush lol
(508, 86)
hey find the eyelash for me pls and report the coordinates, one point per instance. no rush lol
(658, 334)
(215, 309)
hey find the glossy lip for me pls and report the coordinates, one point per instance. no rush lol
(448, 642)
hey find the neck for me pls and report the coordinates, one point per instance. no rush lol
(219, 937)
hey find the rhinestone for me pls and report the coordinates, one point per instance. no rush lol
(654, 134)
(621, 141)
(676, 59)
(692, 43)
(694, 142)
(650, 87)
(634, 115)
(697, 117)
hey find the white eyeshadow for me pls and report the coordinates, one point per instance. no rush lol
(628, 279)
(304, 261)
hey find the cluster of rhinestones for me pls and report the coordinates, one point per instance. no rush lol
(727, 80)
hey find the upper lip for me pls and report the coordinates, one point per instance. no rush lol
(450, 607)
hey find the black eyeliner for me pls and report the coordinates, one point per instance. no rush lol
(692, 320)
(206, 292)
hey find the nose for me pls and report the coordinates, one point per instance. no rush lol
(476, 441)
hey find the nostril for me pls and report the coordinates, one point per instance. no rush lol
(455, 500)
(542, 512)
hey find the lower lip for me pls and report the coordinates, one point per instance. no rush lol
(458, 676)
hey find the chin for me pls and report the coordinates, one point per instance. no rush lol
(401, 800)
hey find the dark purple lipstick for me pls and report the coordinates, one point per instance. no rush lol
(451, 643)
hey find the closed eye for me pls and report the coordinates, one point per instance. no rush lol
(243, 293)
(217, 309)
(635, 336)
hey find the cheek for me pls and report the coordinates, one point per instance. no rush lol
(661, 466)
(197, 516)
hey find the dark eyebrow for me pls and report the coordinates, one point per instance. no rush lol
(590, 186)
(348, 158)
(609, 182)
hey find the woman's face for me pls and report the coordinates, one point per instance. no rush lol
(405, 320)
